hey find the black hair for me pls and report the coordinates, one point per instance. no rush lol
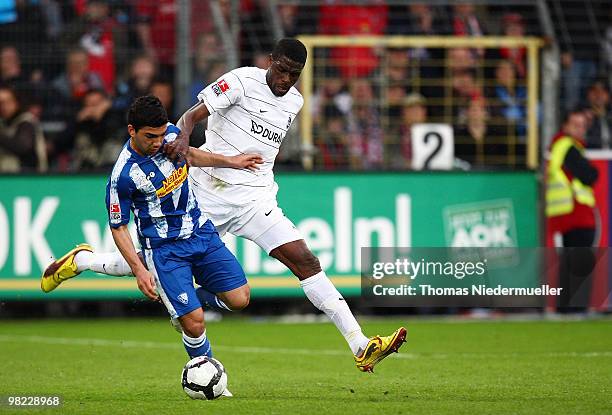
(147, 111)
(97, 90)
(599, 81)
(580, 109)
(290, 48)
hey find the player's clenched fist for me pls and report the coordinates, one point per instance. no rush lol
(246, 161)
(146, 284)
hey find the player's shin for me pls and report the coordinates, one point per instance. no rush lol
(323, 295)
(197, 346)
(111, 263)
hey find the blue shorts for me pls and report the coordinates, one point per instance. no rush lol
(202, 256)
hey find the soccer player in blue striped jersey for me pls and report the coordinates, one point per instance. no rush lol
(177, 240)
(250, 110)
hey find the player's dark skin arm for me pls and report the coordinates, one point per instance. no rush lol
(179, 148)
(201, 158)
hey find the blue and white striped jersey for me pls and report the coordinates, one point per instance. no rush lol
(157, 191)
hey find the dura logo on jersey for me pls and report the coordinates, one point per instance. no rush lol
(266, 133)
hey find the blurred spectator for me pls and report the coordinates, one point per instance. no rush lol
(63, 103)
(214, 71)
(427, 20)
(394, 99)
(27, 33)
(607, 49)
(397, 67)
(571, 207)
(157, 28)
(100, 35)
(513, 25)
(366, 139)
(208, 61)
(508, 100)
(599, 134)
(77, 79)
(578, 31)
(478, 142)
(465, 90)
(10, 66)
(340, 17)
(413, 111)
(288, 14)
(417, 19)
(208, 49)
(465, 22)
(332, 142)
(460, 60)
(11, 72)
(22, 144)
(100, 133)
(163, 89)
(142, 73)
(331, 92)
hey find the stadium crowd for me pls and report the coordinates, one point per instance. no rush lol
(69, 70)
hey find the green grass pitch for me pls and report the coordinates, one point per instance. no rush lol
(447, 366)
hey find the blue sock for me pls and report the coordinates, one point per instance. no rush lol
(211, 301)
(199, 346)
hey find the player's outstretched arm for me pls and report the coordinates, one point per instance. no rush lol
(201, 158)
(179, 148)
(144, 278)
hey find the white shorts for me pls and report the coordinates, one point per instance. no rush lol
(262, 221)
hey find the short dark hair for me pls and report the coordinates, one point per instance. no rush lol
(290, 48)
(147, 111)
(580, 109)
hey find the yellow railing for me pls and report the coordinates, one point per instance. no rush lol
(531, 44)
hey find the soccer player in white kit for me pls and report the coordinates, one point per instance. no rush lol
(250, 110)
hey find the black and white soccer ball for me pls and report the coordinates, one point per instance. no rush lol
(204, 378)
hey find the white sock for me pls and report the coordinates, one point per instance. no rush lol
(82, 260)
(111, 263)
(323, 295)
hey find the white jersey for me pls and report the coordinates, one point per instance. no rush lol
(246, 117)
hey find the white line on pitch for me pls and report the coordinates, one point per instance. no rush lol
(76, 341)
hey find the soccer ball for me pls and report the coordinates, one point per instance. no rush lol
(204, 378)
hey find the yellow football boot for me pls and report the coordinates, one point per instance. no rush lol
(378, 348)
(62, 269)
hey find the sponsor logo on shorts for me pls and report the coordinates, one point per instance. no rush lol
(183, 298)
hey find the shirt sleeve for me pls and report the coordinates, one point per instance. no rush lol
(580, 167)
(223, 93)
(119, 191)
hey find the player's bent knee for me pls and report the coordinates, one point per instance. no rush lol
(240, 299)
